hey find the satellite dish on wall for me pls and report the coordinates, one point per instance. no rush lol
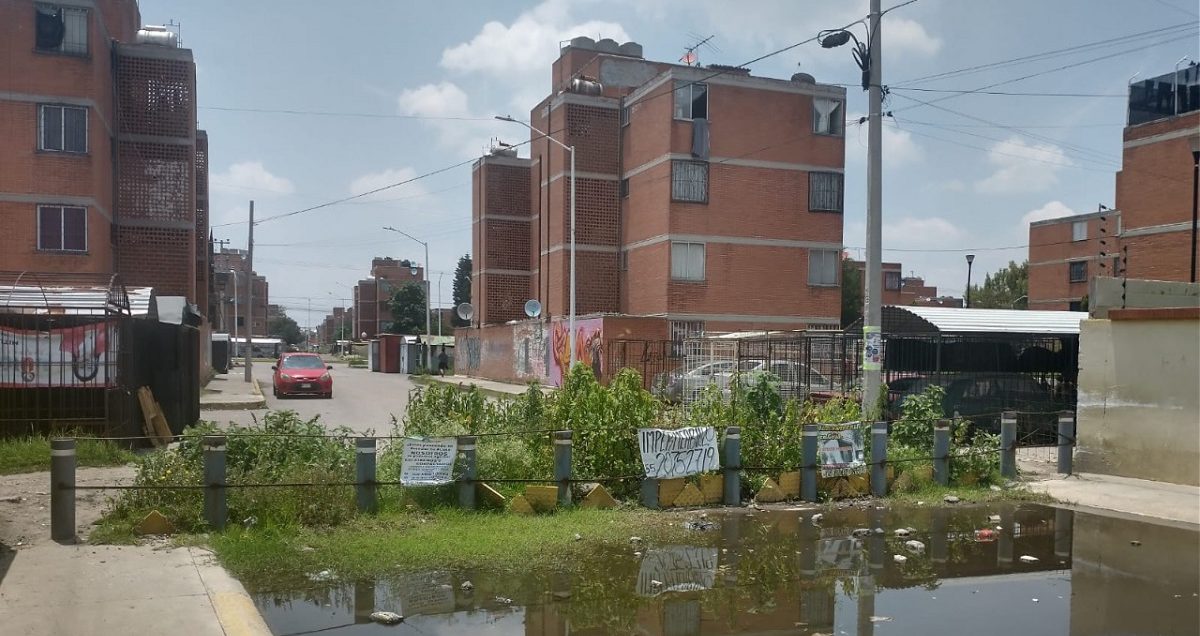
(533, 308)
(465, 311)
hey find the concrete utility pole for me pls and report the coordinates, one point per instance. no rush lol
(233, 272)
(249, 351)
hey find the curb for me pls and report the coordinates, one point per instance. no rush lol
(240, 405)
(234, 608)
(426, 380)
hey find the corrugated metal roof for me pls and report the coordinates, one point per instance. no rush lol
(960, 320)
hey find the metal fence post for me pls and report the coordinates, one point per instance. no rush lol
(466, 487)
(650, 492)
(62, 489)
(1008, 444)
(879, 437)
(808, 463)
(364, 473)
(562, 466)
(215, 506)
(941, 452)
(733, 466)
(1066, 441)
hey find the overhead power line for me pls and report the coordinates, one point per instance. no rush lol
(1013, 94)
(321, 113)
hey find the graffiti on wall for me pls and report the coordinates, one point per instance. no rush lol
(529, 351)
(588, 349)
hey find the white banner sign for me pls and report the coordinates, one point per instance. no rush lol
(667, 454)
(677, 569)
(841, 450)
(83, 356)
(428, 462)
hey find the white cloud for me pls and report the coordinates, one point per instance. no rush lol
(1022, 167)
(1052, 210)
(376, 180)
(528, 43)
(444, 99)
(898, 145)
(250, 176)
(910, 232)
(908, 36)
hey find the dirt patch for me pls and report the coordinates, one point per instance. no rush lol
(25, 504)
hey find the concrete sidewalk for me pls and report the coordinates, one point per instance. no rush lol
(229, 392)
(1136, 497)
(105, 590)
(488, 387)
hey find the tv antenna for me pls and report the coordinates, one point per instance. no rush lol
(691, 55)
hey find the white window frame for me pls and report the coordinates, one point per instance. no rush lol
(1079, 231)
(837, 178)
(690, 248)
(678, 180)
(836, 126)
(62, 228)
(816, 255)
(683, 109)
(75, 34)
(626, 112)
(62, 123)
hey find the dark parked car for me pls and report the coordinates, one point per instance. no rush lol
(981, 397)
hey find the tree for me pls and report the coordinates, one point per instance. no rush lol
(462, 287)
(1005, 289)
(408, 309)
(284, 328)
(852, 292)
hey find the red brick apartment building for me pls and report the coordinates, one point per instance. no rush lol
(102, 168)
(230, 272)
(707, 200)
(1151, 229)
(372, 313)
(899, 289)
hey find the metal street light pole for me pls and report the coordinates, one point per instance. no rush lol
(425, 275)
(440, 275)
(571, 275)
(967, 295)
(233, 354)
(1195, 141)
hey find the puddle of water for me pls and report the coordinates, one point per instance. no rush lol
(776, 572)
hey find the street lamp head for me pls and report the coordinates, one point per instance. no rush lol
(970, 258)
(1195, 143)
(507, 118)
(834, 39)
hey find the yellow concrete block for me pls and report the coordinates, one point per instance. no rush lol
(789, 483)
(520, 506)
(689, 497)
(712, 486)
(668, 490)
(769, 493)
(489, 496)
(542, 498)
(598, 498)
(154, 523)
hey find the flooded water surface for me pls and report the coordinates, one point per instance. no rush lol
(980, 570)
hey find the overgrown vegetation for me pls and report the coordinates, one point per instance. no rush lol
(32, 453)
(355, 361)
(974, 458)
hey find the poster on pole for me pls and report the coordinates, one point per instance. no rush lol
(428, 462)
(872, 349)
(667, 454)
(79, 357)
(841, 450)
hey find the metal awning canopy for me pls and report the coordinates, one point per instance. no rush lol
(53, 293)
(905, 319)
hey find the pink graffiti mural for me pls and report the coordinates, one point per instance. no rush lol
(588, 349)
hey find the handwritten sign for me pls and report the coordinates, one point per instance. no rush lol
(667, 454)
(841, 450)
(428, 462)
(677, 569)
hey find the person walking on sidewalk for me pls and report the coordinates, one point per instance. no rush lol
(443, 362)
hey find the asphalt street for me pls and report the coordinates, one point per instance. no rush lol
(362, 400)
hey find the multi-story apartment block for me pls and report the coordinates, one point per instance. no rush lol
(1149, 234)
(706, 197)
(102, 169)
(899, 289)
(231, 273)
(371, 308)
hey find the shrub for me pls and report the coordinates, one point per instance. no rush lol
(356, 361)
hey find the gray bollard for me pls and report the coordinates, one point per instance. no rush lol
(1008, 444)
(466, 487)
(938, 539)
(876, 544)
(650, 492)
(879, 437)
(365, 490)
(1005, 539)
(808, 463)
(941, 453)
(733, 466)
(62, 489)
(562, 466)
(1066, 441)
(1064, 533)
(215, 506)
(865, 613)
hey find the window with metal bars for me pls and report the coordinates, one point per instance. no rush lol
(825, 192)
(689, 181)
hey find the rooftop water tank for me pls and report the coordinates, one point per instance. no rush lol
(632, 49)
(804, 78)
(583, 42)
(157, 35)
(608, 45)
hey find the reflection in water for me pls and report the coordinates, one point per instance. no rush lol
(776, 572)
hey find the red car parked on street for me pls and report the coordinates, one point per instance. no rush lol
(302, 374)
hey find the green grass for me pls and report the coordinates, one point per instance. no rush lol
(934, 494)
(31, 454)
(447, 538)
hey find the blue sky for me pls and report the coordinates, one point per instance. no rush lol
(952, 180)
